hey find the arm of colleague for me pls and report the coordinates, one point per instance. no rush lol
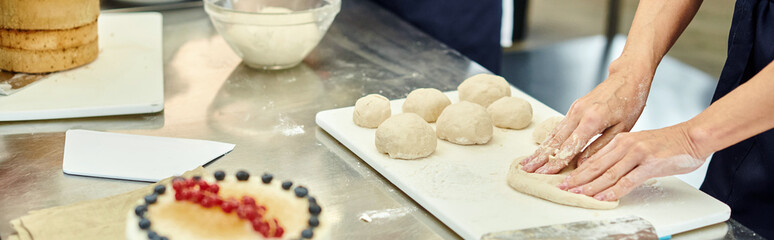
(632, 158)
(615, 104)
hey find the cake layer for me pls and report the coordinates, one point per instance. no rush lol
(48, 39)
(42, 61)
(47, 14)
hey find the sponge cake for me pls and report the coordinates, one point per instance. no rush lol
(47, 35)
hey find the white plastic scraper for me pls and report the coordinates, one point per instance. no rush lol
(628, 227)
(135, 157)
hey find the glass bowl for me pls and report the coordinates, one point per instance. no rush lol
(272, 34)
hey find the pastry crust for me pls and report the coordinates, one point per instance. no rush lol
(47, 14)
(43, 61)
(48, 39)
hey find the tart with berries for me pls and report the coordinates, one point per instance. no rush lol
(226, 207)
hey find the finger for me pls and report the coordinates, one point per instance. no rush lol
(600, 142)
(550, 145)
(609, 178)
(624, 186)
(533, 156)
(589, 127)
(538, 161)
(594, 167)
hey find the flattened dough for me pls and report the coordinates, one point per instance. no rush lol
(544, 186)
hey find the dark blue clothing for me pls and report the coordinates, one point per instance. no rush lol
(470, 27)
(742, 175)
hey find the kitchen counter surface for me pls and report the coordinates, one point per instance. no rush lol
(269, 115)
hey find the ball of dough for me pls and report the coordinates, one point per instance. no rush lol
(406, 136)
(465, 123)
(543, 129)
(484, 89)
(371, 110)
(510, 112)
(428, 103)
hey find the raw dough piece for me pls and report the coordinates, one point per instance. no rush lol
(371, 110)
(543, 129)
(465, 123)
(484, 89)
(428, 103)
(406, 136)
(510, 112)
(544, 186)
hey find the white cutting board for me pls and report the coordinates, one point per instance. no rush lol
(465, 186)
(126, 78)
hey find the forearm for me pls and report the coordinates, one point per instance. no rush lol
(657, 25)
(744, 112)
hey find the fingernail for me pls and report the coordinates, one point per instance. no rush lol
(599, 197)
(562, 186)
(541, 171)
(525, 167)
(576, 190)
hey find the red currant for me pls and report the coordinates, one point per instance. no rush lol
(203, 185)
(214, 188)
(263, 228)
(196, 196)
(256, 223)
(229, 205)
(242, 211)
(190, 182)
(208, 201)
(279, 231)
(185, 194)
(247, 200)
(251, 214)
(178, 185)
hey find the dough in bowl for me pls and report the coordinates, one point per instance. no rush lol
(371, 110)
(543, 129)
(405, 136)
(545, 186)
(484, 89)
(510, 112)
(428, 103)
(465, 123)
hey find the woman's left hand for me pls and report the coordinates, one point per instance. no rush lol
(632, 158)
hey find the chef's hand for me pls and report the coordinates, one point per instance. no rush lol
(612, 107)
(632, 158)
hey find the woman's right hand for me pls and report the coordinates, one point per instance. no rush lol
(610, 108)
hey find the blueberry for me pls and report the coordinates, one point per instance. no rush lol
(197, 178)
(266, 178)
(152, 235)
(286, 185)
(220, 175)
(151, 199)
(160, 189)
(242, 176)
(140, 210)
(312, 199)
(307, 233)
(315, 209)
(144, 223)
(163, 238)
(301, 191)
(313, 221)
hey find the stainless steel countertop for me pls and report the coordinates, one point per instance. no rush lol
(268, 115)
